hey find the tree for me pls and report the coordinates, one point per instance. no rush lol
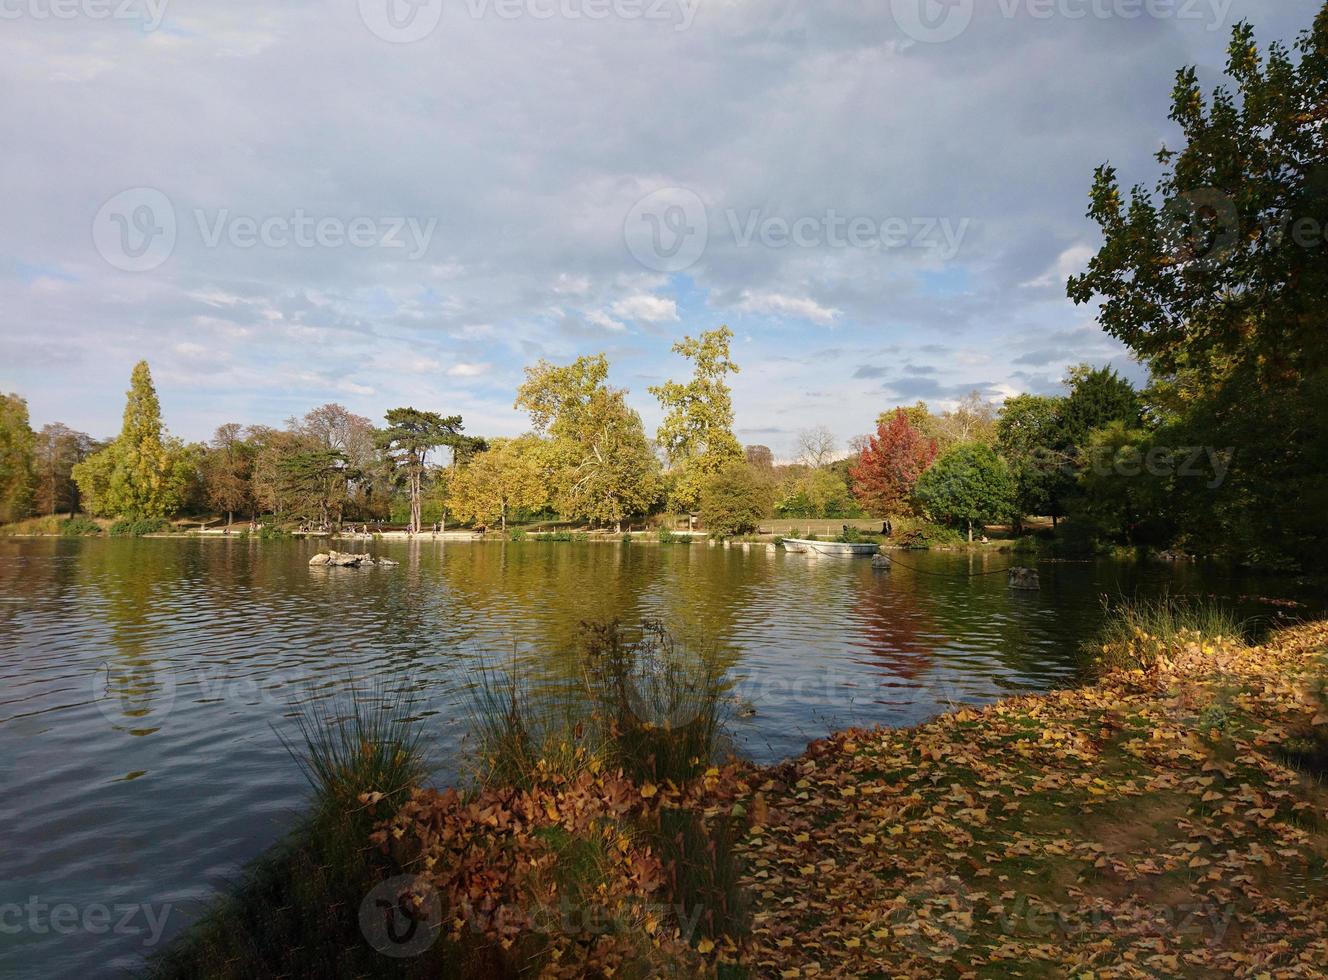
(18, 475)
(973, 419)
(1098, 397)
(311, 477)
(890, 466)
(408, 439)
(759, 458)
(815, 493)
(734, 500)
(1216, 278)
(602, 466)
(59, 450)
(511, 474)
(139, 474)
(697, 432)
(1028, 434)
(816, 447)
(228, 469)
(967, 483)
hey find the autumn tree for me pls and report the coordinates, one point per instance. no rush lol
(140, 474)
(697, 432)
(227, 470)
(967, 484)
(760, 458)
(891, 464)
(511, 474)
(59, 450)
(603, 469)
(17, 460)
(408, 439)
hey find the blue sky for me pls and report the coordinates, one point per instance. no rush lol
(281, 205)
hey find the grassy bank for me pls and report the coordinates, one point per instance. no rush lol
(1169, 820)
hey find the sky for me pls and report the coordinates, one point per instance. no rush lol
(406, 202)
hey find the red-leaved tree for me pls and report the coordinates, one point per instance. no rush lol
(890, 465)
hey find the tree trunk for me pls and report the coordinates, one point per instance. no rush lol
(502, 518)
(970, 532)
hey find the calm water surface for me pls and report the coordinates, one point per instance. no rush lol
(144, 685)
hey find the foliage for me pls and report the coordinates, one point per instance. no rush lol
(512, 474)
(142, 473)
(820, 493)
(408, 439)
(950, 849)
(17, 460)
(973, 419)
(1028, 437)
(734, 500)
(126, 528)
(79, 526)
(59, 449)
(696, 435)
(969, 483)
(891, 464)
(603, 469)
(1216, 277)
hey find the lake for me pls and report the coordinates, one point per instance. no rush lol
(145, 684)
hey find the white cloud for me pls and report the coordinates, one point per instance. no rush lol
(647, 308)
(463, 370)
(601, 319)
(1069, 263)
(777, 304)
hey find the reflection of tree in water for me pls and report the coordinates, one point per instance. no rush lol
(136, 581)
(893, 633)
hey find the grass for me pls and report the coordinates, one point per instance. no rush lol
(295, 911)
(1137, 633)
(54, 524)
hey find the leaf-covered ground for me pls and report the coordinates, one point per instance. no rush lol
(1167, 823)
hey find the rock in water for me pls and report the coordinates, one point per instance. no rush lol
(319, 560)
(1025, 579)
(388, 563)
(881, 563)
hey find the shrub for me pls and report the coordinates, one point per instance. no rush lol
(516, 534)
(734, 501)
(127, 528)
(79, 526)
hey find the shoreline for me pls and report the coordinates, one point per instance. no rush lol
(1047, 828)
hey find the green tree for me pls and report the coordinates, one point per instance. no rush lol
(510, 475)
(138, 475)
(968, 483)
(1216, 277)
(1028, 437)
(697, 432)
(734, 500)
(18, 475)
(408, 439)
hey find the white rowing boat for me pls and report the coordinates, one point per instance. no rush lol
(841, 549)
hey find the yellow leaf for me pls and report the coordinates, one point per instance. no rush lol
(705, 946)
(649, 790)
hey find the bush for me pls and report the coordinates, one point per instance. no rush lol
(126, 528)
(734, 501)
(669, 537)
(79, 526)
(516, 534)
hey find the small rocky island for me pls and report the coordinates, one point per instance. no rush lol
(337, 559)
